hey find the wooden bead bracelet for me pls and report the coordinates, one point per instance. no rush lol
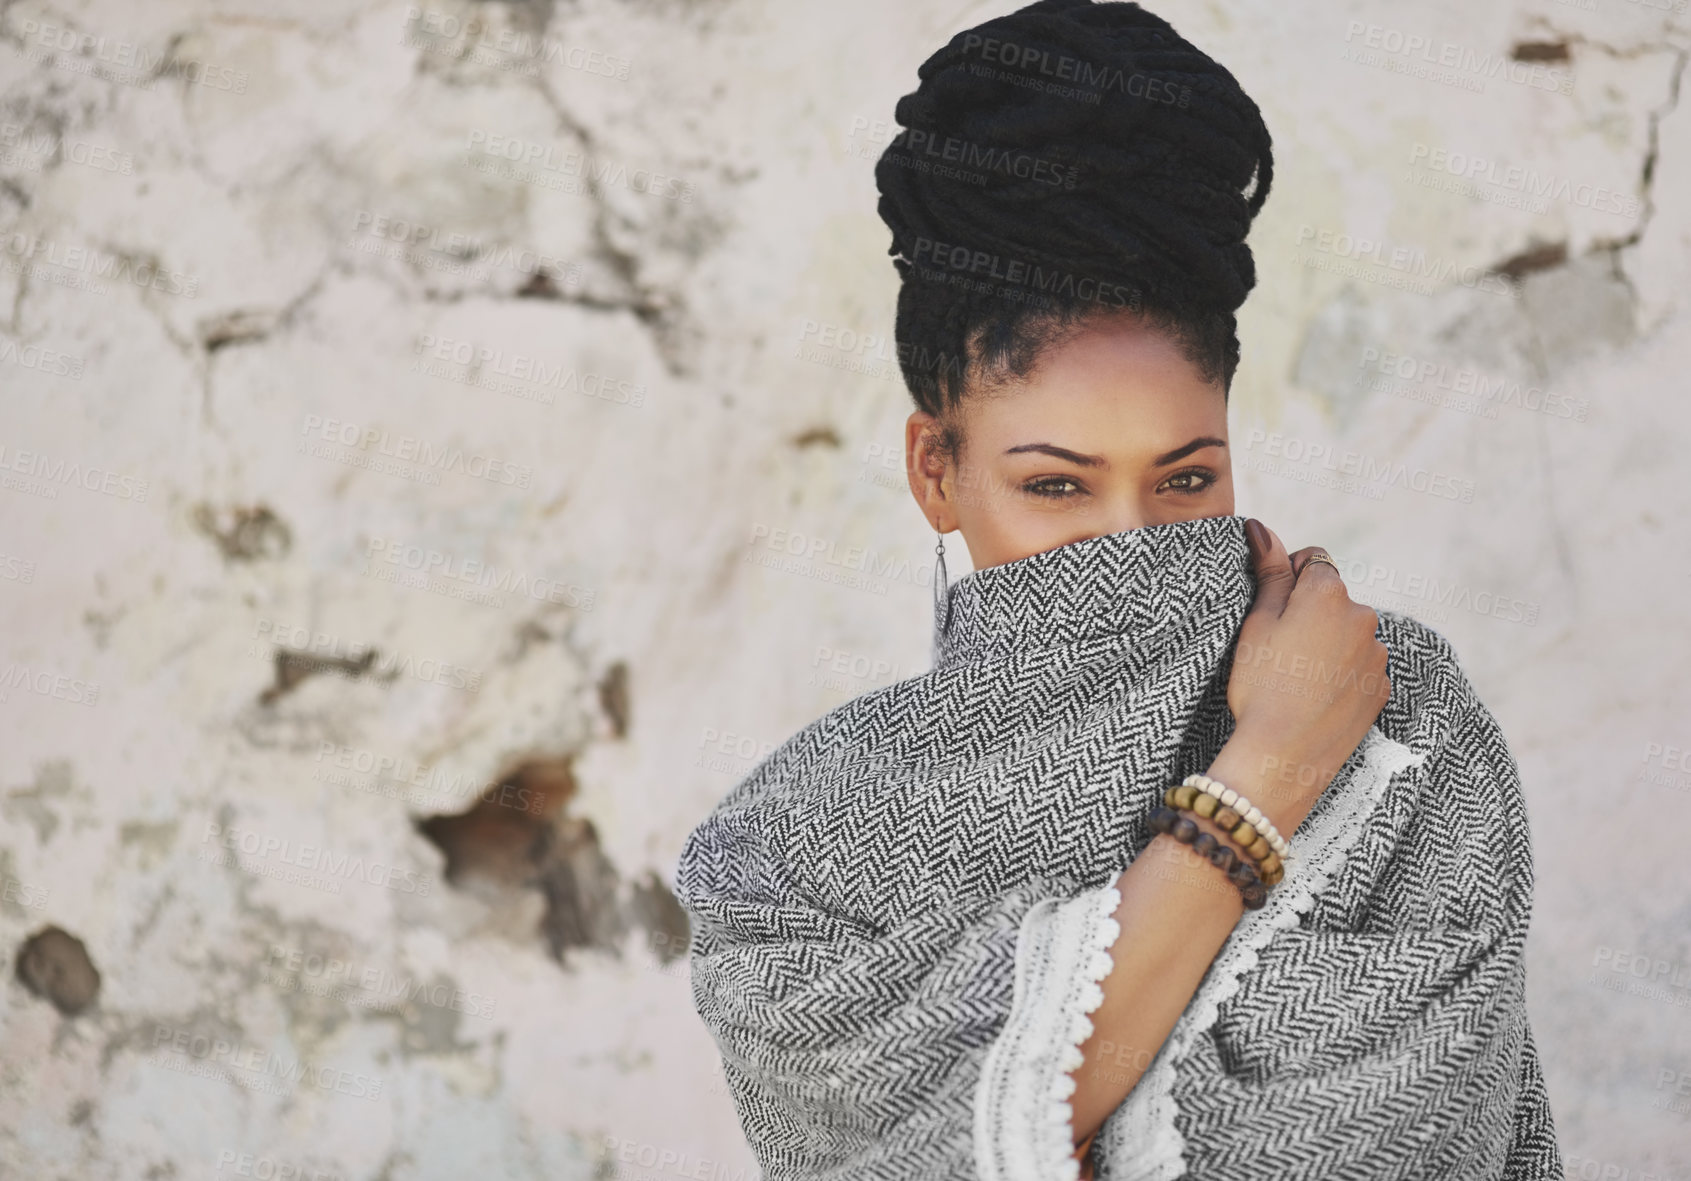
(1238, 869)
(1232, 799)
(1237, 817)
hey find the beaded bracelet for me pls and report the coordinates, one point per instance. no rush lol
(1235, 824)
(1254, 850)
(1238, 869)
(1248, 811)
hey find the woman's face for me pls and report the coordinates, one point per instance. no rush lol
(1113, 430)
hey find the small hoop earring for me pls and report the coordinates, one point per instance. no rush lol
(942, 583)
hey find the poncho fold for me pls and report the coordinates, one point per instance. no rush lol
(902, 915)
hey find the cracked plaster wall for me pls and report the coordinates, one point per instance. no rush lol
(254, 253)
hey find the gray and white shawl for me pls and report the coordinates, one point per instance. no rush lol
(901, 916)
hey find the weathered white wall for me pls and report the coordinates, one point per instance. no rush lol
(239, 173)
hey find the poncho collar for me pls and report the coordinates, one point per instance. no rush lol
(1096, 587)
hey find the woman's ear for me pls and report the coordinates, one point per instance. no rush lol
(927, 470)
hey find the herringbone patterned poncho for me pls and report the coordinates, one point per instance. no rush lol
(901, 914)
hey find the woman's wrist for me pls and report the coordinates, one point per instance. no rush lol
(1282, 789)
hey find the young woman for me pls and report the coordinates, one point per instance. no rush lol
(981, 923)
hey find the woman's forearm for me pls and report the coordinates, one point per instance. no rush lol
(1176, 912)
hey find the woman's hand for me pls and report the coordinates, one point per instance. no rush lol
(1308, 680)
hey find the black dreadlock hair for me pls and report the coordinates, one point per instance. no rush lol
(1067, 160)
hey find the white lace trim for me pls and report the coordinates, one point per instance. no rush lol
(1139, 1141)
(1024, 1123)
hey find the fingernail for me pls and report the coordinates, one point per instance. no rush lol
(1258, 535)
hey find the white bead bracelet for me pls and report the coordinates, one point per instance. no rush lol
(1249, 811)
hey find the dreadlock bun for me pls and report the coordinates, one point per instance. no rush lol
(1062, 158)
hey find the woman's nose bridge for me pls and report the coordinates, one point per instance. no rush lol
(1128, 514)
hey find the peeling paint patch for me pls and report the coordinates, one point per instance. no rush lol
(540, 285)
(293, 667)
(1541, 51)
(1540, 256)
(153, 841)
(245, 533)
(1330, 359)
(654, 907)
(519, 836)
(503, 837)
(581, 886)
(613, 697)
(52, 781)
(1578, 309)
(54, 965)
(238, 327)
(817, 436)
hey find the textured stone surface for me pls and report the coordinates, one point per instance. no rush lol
(245, 665)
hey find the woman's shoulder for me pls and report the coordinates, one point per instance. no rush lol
(1430, 691)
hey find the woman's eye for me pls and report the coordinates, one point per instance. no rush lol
(1184, 481)
(1054, 487)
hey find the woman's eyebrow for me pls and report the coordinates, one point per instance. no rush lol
(1180, 453)
(1076, 457)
